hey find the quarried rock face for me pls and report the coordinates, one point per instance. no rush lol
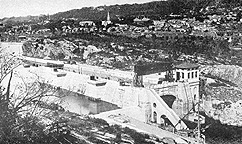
(224, 93)
(232, 114)
(49, 48)
(228, 73)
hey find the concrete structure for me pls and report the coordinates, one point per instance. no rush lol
(43, 62)
(111, 92)
(187, 72)
(182, 94)
(141, 105)
(124, 118)
(157, 101)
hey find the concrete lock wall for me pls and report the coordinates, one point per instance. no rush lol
(186, 94)
(160, 108)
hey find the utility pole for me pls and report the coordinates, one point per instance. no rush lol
(198, 123)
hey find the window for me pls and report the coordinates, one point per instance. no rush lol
(182, 74)
(196, 74)
(155, 117)
(163, 120)
(92, 77)
(154, 105)
(192, 74)
(188, 76)
(178, 75)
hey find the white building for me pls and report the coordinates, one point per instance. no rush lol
(86, 23)
(188, 72)
(108, 21)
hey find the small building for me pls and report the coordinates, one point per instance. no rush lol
(160, 23)
(141, 21)
(86, 23)
(187, 71)
(22, 38)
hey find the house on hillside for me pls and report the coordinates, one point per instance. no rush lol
(170, 35)
(159, 23)
(86, 23)
(22, 38)
(141, 21)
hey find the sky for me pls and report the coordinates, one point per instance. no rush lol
(9, 8)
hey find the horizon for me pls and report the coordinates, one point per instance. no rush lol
(23, 8)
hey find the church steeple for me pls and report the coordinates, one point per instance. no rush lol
(108, 17)
(108, 21)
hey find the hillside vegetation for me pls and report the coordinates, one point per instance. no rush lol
(154, 10)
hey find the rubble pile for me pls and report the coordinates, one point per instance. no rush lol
(224, 93)
(231, 114)
(226, 112)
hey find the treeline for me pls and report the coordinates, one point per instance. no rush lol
(125, 12)
(150, 47)
(208, 46)
(154, 10)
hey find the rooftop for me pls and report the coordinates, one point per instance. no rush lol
(187, 65)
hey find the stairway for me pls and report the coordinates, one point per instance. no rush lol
(171, 115)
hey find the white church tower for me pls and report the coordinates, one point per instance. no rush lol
(108, 21)
(108, 17)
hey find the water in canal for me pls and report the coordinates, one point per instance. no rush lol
(81, 104)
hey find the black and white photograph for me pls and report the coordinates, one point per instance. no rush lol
(120, 71)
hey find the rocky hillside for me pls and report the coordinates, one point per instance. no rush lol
(223, 90)
(230, 73)
(49, 48)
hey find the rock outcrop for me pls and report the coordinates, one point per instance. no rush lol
(227, 91)
(230, 73)
(49, 48)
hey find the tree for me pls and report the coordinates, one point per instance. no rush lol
(20, 111)
(190, 7)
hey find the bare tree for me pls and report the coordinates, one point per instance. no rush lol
(20, 104)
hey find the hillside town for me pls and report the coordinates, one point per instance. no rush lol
(173, 78)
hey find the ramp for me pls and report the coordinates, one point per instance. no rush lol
(165, 109)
